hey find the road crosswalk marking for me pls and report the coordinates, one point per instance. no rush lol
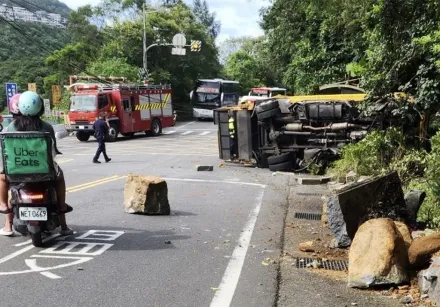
(187, 132)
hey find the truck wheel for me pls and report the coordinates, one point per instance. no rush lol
(268, 114)
(113, 132)
(279, 159)
(82, 136)
(266, 106)
(281, 166)
(156, 127)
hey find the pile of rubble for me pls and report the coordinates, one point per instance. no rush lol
(374, 219)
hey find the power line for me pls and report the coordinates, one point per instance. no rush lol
(31, 39)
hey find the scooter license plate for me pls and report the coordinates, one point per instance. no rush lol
(33, 213)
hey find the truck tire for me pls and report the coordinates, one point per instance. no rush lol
(281, 166)
(82, 136)
(279, 159)
(156, 127)
(266, 106)
(268, 114)
(112, 132)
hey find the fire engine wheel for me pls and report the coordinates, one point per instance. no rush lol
(113, 132)
(82, 136)
(156, 127)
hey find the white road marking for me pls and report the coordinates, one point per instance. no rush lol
(27, 248)
(85, 251)
(50, 275)
(168, 132)
(180, 127)
(23, 243)
(185, 133)
(101, 235)
(205, 133)
(225, 293)
(216, 181)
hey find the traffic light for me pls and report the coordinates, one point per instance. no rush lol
(196, 46)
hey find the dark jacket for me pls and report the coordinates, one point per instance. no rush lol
(101, 128)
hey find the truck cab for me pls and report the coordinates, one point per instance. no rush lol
(86, 103)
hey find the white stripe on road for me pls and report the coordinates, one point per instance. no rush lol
(27, 248)
(205, 133)
(223, 297)
(169, 132)
(180, 127)
(185, 133)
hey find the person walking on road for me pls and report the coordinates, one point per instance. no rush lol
(101, 128)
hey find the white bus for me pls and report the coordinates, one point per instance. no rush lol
(210, 94)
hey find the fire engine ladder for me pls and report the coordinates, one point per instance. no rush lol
(133, 87)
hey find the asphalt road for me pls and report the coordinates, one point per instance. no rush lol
(215, 248)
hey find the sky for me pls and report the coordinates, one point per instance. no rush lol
(237, 17)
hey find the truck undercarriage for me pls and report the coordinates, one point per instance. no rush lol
(286, 136)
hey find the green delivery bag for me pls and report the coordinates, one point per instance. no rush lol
(27, 156)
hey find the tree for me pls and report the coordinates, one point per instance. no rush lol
(206, 18)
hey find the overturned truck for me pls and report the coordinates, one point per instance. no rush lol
(289, 133)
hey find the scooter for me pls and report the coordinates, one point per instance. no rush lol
(34, 205)
(33, 198)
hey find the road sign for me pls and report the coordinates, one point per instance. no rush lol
(32, 87)
(11, 90)
(47, 111)
(56, 94)
(196, 46)
(179, 42)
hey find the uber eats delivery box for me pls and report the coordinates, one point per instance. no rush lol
(27, 156)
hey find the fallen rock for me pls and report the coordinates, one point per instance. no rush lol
(414, 200)
(428, 281)
(405, 233)
(146, 195)
(349, 207)
(307, 247)
(377, 255)
(422, 249)
(422, 233)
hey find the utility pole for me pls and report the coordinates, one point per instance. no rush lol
(145, 39)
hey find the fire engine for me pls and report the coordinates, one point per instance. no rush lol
(130, 108)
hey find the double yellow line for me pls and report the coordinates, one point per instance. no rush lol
(94, 183)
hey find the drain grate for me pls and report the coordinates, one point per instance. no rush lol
(332, 265)
(308, 216)
(309, 194)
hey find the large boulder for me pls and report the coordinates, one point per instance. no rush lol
(414, 200)
(405, 233)
(349, 207)
(146, 195)
(422, 249)
(377, 256)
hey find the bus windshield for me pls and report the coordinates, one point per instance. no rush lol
(207, 92)
(83, 103)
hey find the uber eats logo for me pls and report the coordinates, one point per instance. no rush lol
(26, 157)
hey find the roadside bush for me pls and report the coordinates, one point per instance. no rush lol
(371, 156)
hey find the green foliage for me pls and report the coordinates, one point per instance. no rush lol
(114, 67)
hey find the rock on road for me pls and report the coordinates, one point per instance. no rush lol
(211, 251)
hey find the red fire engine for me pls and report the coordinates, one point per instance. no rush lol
(130, 108)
